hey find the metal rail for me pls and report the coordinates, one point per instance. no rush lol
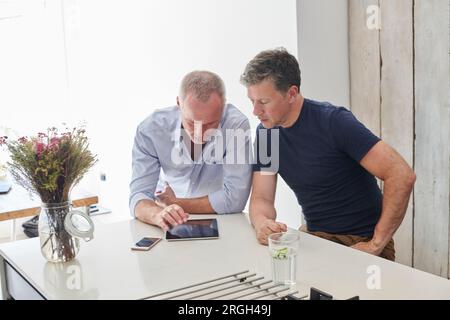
(240, 285)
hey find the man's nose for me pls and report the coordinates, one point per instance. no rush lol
(198, 130)
(256, 109)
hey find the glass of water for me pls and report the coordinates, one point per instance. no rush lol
(283, 248)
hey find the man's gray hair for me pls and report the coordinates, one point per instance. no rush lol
(202, 84)
(277, 65)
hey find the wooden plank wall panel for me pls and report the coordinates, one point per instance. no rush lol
(410, 108)
(397, 105)
(432, 123)
(364, 52)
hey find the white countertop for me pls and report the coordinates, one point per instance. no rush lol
(108, 269)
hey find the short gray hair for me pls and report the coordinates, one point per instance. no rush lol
(202, 84)
(278, 65)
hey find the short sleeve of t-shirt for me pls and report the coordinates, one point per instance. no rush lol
(350, 135)
(263, 150)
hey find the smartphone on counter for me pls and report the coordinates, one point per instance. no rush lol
(145, 243)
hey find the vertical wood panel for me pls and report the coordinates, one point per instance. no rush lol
(364, 66)
(431, 222)
(397, 109)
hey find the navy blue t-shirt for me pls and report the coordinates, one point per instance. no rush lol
(319, 159)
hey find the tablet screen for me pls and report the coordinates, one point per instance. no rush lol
(194, 229)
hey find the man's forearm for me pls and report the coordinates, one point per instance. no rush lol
(397, 191)
(195, 205)
(261, 210)
(146, 210)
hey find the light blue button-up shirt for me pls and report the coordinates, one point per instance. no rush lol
(161, 155)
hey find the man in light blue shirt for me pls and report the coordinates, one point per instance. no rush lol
(189, 159)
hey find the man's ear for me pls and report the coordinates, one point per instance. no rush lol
(178, 101)
(293, 92)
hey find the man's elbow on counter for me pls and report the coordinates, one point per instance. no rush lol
(235, 206)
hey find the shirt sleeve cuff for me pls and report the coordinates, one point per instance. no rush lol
(135, 199)
(217, 201)
(363, 150)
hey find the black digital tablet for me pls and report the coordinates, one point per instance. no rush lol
(198, 229)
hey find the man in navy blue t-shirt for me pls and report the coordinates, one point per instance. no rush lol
(327, 157)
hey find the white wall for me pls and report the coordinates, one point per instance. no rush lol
(112, 63)
(33, 87)
(126, 58)
(323, 50)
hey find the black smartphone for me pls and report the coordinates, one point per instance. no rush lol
(145, 243)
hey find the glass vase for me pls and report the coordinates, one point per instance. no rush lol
(57, 244)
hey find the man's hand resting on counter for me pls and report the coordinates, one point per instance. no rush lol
(165, 217)
(266, 228)
(170, 216)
